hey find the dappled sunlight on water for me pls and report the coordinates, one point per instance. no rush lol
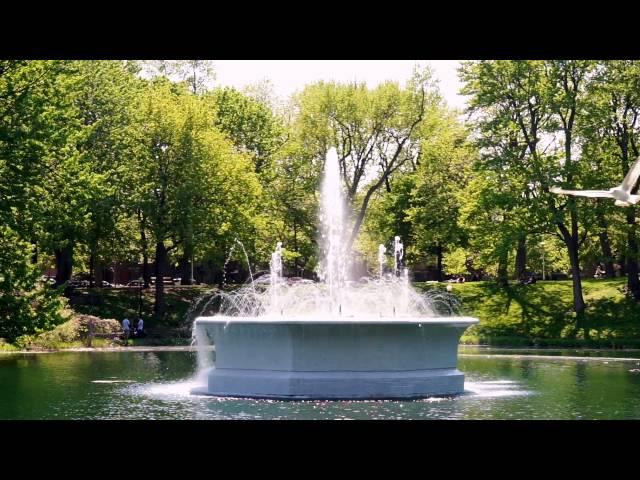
(498, 388)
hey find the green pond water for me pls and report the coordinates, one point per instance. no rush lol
(500, 384)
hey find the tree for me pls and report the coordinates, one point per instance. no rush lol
(374, 131)
(423, 206)
(510, 118)
(191, 185)
(38, 147)
(250, 125)
(442, 178)
(168, 173)
(198, 75)
(105, 95)
(291, 198)
(613, 107)
(528, 103)
(26, 305)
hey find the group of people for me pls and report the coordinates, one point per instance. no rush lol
(126, 328)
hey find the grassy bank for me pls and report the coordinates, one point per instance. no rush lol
(107, 333)
(119, 303)
(536, 315)
(106, 308)
(542, 314)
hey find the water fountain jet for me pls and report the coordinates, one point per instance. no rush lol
(336, 343)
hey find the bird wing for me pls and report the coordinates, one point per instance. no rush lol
(632, 176)
(583, 193)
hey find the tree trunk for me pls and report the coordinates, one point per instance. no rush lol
(363, 210)
(160, 307)
(185, 267)
(633, 284)
(605, 245)
(623, 265)
(578, 300)
(64, 264)
(99, 272)
(503, 279)
(571, 242)
(146, 271)
(439, 261)
(521, 257)
(92, 269)
(146, 274)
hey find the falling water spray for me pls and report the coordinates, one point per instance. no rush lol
(275, 277)
(333, 265)
(398, 253)
(381, 259)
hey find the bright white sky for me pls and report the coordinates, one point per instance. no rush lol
(289, 76)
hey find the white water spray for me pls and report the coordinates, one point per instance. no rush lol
(333, 268)
(382, 250)
(398, 253)
(275, 278)
(335, 296)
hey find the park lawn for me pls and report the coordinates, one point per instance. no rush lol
(520, 315)
(542, 314)
(112, 305)
(118, 303)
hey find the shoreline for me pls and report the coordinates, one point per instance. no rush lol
(461, 351)
(155, 348)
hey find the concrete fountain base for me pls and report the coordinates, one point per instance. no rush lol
(334, 359)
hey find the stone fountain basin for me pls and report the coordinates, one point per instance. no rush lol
(374, 358)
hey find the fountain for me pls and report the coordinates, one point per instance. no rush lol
(334, 339)
(381, 259)
(398, 255)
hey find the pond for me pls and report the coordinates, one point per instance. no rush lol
(500, 384)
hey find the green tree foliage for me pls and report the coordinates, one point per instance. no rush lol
(27, 305)
(193, 189)
(107, 161)
(610, 147)
(250, 124)
(528, 112)
(374, 131)
(423, 207)
(197, 75)
(35, 125)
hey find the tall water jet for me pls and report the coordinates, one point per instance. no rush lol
(333, 266)
(275, 277)
(398, 253)
(382, 250)
(404, 305)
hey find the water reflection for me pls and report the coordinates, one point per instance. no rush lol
(157, 385)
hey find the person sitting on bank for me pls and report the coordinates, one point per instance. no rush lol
(126, 328)
(140, 328)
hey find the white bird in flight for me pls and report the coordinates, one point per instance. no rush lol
(621, 193)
